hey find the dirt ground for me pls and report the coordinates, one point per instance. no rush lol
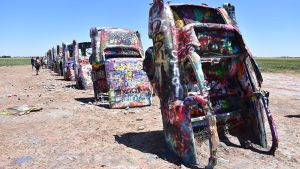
(72, 132)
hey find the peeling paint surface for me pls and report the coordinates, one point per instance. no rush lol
(206, 78)
(117, 68)
(83, 70)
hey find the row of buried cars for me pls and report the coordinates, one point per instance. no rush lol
(111, 64)
(207, 81)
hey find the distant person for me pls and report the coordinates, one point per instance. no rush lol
(45, 63)
(42, 62)
(37, 65)
(32, 62)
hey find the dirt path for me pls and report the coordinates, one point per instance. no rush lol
(71, 132)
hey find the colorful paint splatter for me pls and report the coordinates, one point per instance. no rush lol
(83, 69)
(206, 78)
(117, 68)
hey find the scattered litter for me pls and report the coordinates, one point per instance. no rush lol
(141, 128)
(22, 160)
(131, 112)
(34, 141)
(22, 110)
(183, 167)
(127, 108)
(90, 103)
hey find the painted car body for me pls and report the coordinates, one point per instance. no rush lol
(116, 60)
(54, 59)
(83, 68)
(69, 62)
(206, 78)
(49, 58)
(59, 60)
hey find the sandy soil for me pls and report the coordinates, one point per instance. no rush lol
(71, 132)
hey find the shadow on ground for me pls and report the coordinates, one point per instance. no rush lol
(293, 116)
(87, 100)
(71, 86)
(152, 142)
(244, 144)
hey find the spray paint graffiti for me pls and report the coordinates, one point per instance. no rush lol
(83, 69)
(117, 68)
(69, 63)
(206, 79)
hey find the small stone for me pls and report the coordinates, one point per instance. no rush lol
(19, 98)
(139, 119)
(90, 103)
(131, 112)
(141, 128)
(223, 160)
(127, 108)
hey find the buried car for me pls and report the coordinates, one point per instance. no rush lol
(59, 60)
(83, 68)
(116, 59)
(207, 80)
(69, 62)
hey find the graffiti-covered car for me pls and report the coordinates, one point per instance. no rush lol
(117, 68)
(49, 58)
(59, 60)
(207, 80)
(83, 68)
(69, 62)
(54, 59)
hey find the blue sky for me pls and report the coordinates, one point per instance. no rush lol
(30, 27)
